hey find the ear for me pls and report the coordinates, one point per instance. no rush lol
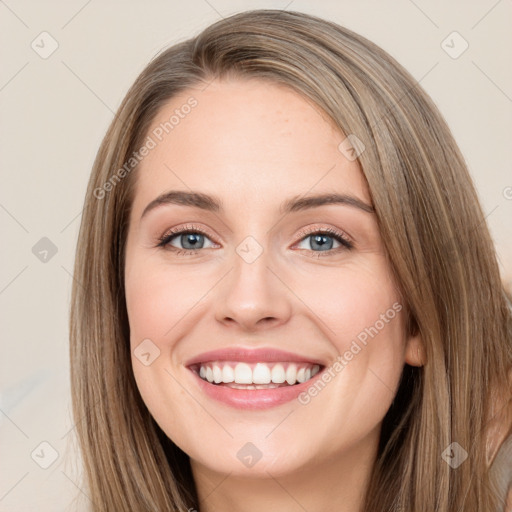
(415, 354)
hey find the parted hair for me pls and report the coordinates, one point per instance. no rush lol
(435, 236)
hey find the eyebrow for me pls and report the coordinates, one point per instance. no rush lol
(294, 204)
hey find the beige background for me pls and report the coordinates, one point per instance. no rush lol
(55, 110)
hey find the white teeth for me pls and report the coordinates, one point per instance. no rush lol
(256, 386)
(291, 374)
(217, 374)
(261, 374)
(228, 375)
(278, 374)
(257, 375)
(243, 374)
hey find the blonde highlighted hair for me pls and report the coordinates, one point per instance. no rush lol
(432, 226)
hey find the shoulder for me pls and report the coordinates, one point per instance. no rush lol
(501, 473)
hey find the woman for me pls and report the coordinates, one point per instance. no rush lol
(286, 295)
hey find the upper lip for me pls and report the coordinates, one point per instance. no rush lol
(254, 355)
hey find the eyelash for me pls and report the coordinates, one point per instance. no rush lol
(346, 244)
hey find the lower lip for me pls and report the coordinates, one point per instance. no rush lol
(254, 398)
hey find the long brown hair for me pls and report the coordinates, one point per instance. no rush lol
(432, 226)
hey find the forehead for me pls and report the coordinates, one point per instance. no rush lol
(242, 139)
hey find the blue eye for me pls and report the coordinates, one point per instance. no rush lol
(325, 241)
(189, 240)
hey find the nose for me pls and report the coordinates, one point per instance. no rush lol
(253, 296)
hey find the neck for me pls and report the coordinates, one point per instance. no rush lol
(336, 483)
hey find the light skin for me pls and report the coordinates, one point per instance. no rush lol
(254, 145)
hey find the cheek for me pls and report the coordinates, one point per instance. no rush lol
(157, 299)
(361, 314)
(354, 304)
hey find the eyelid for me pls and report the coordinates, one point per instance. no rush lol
(309, 230)
(184, 228)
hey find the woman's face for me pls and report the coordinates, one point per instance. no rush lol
(268, 287)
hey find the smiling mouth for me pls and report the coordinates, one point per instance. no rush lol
(261, 375)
